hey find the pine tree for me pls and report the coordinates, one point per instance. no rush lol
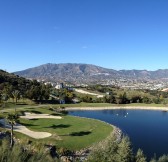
(140, 157)
(124, 151)
(163, 158)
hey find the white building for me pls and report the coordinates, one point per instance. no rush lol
(59, 86)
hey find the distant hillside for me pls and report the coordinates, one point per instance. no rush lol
(12, 79)
(10, 82)
(86, 73)
(34, 90)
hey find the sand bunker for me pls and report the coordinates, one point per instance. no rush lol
(39, 116)
(22, 129)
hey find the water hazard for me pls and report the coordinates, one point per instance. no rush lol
(147, 129)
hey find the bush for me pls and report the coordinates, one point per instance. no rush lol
(21, 153)
(112, 150)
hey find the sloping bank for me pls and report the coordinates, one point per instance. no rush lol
(119, 107)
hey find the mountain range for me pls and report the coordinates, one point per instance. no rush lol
(87, 73)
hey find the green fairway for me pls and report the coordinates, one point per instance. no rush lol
(70, 132)
(41, 107)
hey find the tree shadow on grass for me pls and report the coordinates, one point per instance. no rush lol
(34, 119)
(81, 133)
(59, 126)
(35, 112)
(55, 114)
(28, 125)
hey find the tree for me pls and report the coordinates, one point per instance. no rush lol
(110, 98)
(153, 160)
(112, 150)
(136, 99)
(4, 98)
(124, 151)
(146, 100)
(140, 157)
(16, 95)
(122, 99)
(105, 151)
(12, 118)
(163, 158)
(1, 101)
(24, 153)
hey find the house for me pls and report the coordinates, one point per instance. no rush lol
(59, 86)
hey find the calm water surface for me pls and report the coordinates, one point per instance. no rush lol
(147, 129)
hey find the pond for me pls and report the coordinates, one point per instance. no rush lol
(147, 129)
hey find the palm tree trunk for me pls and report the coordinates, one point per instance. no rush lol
(11, 144)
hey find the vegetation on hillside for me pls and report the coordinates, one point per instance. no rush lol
(23, 153)
(116, 95)
(113, 150)
(109, 150)
(15, 87)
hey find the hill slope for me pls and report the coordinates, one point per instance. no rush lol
(86, 73)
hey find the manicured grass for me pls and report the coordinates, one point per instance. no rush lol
(44, 108)
(83, 104)
(11, 107)
(70, 132)
(73, 133)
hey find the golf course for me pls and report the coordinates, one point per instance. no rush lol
(46, 125)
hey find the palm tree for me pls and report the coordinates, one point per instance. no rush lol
(12, 118)
(1, 99)
(4, 98)
(16, 95)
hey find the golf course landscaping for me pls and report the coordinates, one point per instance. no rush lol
(64, 131)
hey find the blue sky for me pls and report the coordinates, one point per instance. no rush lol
(117, 34)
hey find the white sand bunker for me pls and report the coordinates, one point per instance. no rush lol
(39, 116)
(22, 129)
